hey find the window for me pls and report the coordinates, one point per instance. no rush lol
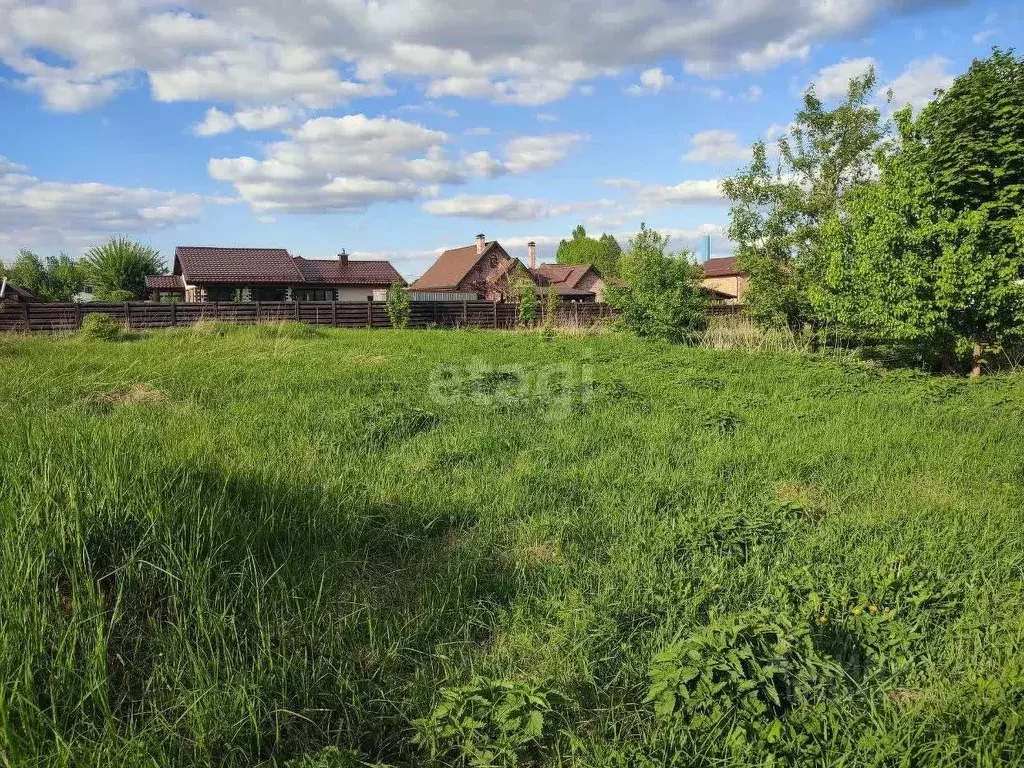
(312, 294)
(267, 294)
(223, 293)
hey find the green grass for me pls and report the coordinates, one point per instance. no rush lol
(241, 546)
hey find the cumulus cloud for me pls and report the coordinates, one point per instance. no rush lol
(524, 154)
(258, 52)
(651, 81)
(917, 83)
(753, 93)
(716, 146)
(832, 81)
(505, 207)
(34, 212)
(691, 192)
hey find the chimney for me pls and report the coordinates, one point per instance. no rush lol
(480, 243)
(343, 258)
(531, 253)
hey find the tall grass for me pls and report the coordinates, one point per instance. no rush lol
(243, 546)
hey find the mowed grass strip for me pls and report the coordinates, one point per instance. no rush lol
(241, 546)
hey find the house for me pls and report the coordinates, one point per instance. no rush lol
(268, 274)
(725, 280)
(13, 293)
(484, 270)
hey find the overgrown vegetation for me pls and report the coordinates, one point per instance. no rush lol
(398, 306)
(242, 546)
(118, 269)
(56, 278)
(604, 252)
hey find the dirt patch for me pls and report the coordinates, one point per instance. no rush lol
(805, 497)
(543, 553)
(139, 393)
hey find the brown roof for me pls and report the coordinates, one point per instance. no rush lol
(567, 275)
(725, 266)
(333, 272)
(236, 265)
(12, 291)
(165, 283)
(451, 268)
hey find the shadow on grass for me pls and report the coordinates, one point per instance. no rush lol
(252, 618)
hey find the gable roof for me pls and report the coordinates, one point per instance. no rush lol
(333, 272)
(235, 265)
(725, 266)
(452, 266)
(566, 275)
(12, 291)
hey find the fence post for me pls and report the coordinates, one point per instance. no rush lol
(334, 313)
(128, 315)
(464, 313)
(174, 314)
(369, 313)
(494, 308)
(28, 318)
(259, 313)
(78, 315)
(296, 310)
(216, 310)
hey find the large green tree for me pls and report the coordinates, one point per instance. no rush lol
(934, 252)
(604, 252)
(119, 268)
(58, 278)
(663, 296)
(781, 200)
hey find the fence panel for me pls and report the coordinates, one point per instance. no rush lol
(55, 317)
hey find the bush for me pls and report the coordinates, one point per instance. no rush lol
(119, 295)
(398, 305)
(99, 327)
(663, 297)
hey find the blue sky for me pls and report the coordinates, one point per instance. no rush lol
(398, 128)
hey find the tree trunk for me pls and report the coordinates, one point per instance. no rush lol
(947, 362)
(977, 359)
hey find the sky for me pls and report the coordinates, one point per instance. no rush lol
(398, 128)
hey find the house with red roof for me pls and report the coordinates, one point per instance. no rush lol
(268, 274)
(725, 280)
(485, 269)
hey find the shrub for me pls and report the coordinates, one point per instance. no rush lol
(99, 327)
(552, 301)
(486, 723)
(119, 295)
(398, 305)
(119, 267)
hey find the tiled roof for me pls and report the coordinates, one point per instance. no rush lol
(564, 274)
(333, 272)
(450, 268)
(165, 283)
(249, 266)
(724, 266)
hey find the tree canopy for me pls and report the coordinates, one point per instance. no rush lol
(119, 268)
(57, 278)
(604, 252)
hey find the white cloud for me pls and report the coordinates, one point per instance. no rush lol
(620, 183)
(525, 154)
(543, 117)
(716, 146)
(481, 130)
(651, 81)
(753, 94)
(257, 52)
(917, 83)
(505, 207)
(34, 212)
(832, 82)
(691, 192)
(979, 38)
(214, 123)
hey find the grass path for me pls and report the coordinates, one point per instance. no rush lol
(240, 546)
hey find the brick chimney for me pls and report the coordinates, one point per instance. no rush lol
(531, 253)
(343, 258)
(480, 241)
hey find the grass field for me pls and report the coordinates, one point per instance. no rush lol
(239, 547)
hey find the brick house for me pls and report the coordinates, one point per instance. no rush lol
(268, 274)
(726, 281)
(484, 269)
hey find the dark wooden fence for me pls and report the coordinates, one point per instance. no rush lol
(56, 317)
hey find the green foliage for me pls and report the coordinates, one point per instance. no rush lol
(931, 254)
(552, 301)
(329, 757)
(398, 305)
(739, 676)
(486, 723)
(779, 206)
(119, 267)
(100, 327)
(663, 297)
(59, 278)
(525, 291)
(604, 252)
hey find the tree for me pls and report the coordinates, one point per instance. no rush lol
(58, 278)
(604, 253)
(934, 252)
(525, 291)
(779, 206)
(552, 301)
(121, 265)
(398, 305)
(663, 297)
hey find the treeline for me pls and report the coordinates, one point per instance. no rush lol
(116, 271)
(908, 230)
